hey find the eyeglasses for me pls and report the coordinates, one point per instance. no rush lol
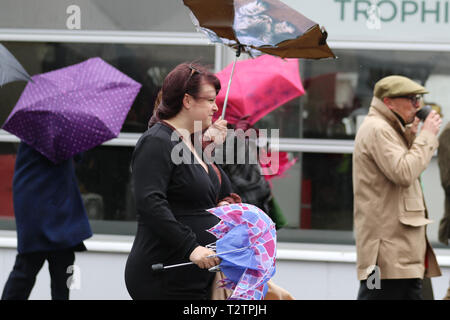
(193, 71)
(414, 99)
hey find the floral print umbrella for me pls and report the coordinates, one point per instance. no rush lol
(247, 247)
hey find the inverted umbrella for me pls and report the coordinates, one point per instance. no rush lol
(72, 109)
(246, 246)
(260, 85)
(10, 69)
(259, 26)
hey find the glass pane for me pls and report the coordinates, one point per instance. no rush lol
(316, 193)
(286, 118)
(7, 160)
(147, 64)
(130, 15)
(327, 190)
(104, 181)
(104, 172)
(339, 92)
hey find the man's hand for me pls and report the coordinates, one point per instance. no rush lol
(432, 123)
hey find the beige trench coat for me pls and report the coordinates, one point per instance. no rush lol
(390, 216)
(444, 168)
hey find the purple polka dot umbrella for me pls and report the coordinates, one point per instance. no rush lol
(73, 109)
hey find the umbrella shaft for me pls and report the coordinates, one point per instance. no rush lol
(178, 265)
(228, 89)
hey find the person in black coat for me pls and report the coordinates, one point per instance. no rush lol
(174, 186)
(51, 223)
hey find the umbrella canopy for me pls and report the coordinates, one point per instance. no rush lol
(259, 86)
(247, 247)
(277, 166)
(260, 26)
(10, 69)
(72, 109)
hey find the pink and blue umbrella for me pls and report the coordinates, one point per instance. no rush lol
(247, 247)
(73, 109)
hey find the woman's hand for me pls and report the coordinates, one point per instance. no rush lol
(200, 257)
(217, 132)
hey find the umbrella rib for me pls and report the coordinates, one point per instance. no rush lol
(229, 251)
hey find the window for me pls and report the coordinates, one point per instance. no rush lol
(316, 195)
(7, 160)
(338, 92)
(318, 129)
(103, 174)
(132, 15)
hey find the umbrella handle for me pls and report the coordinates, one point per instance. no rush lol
(238, 53)
(158, 267)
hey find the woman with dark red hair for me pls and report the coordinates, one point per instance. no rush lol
(172, 195)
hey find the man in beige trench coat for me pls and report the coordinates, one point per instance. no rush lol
(390, 217)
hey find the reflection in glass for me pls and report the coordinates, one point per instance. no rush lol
(147, 64)
(103, 173)
(317, 194)
(7, 160)
(339, 91)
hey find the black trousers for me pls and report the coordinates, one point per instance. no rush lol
(392, 289)
(23, 276)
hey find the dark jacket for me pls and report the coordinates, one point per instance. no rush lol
(48, 208)
(444, 167)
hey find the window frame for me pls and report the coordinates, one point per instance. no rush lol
(221, 59)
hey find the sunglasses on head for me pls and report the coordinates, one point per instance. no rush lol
(193, 71)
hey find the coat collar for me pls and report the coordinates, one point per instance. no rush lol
(379, 109)
(386, 113)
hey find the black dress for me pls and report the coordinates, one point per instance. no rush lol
(171, 203)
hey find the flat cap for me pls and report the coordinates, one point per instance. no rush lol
(396, 86)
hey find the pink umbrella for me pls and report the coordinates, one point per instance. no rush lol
(259, 86)
(283, 164)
